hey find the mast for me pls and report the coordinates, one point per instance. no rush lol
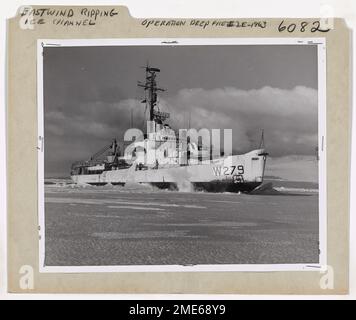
(151, 87)
(262, 142)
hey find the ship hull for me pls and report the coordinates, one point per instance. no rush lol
(222, 186)
(216, 186)
(237, 173)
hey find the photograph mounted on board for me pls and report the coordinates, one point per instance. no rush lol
(186, 155)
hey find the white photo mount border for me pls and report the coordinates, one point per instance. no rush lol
(322, 172)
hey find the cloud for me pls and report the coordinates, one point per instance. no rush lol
(288, 117)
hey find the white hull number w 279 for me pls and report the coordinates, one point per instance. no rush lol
(228, 171)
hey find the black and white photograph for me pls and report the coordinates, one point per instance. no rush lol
(182, 155)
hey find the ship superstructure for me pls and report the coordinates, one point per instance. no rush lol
(170, 159)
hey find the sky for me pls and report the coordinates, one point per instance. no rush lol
(90, 92)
